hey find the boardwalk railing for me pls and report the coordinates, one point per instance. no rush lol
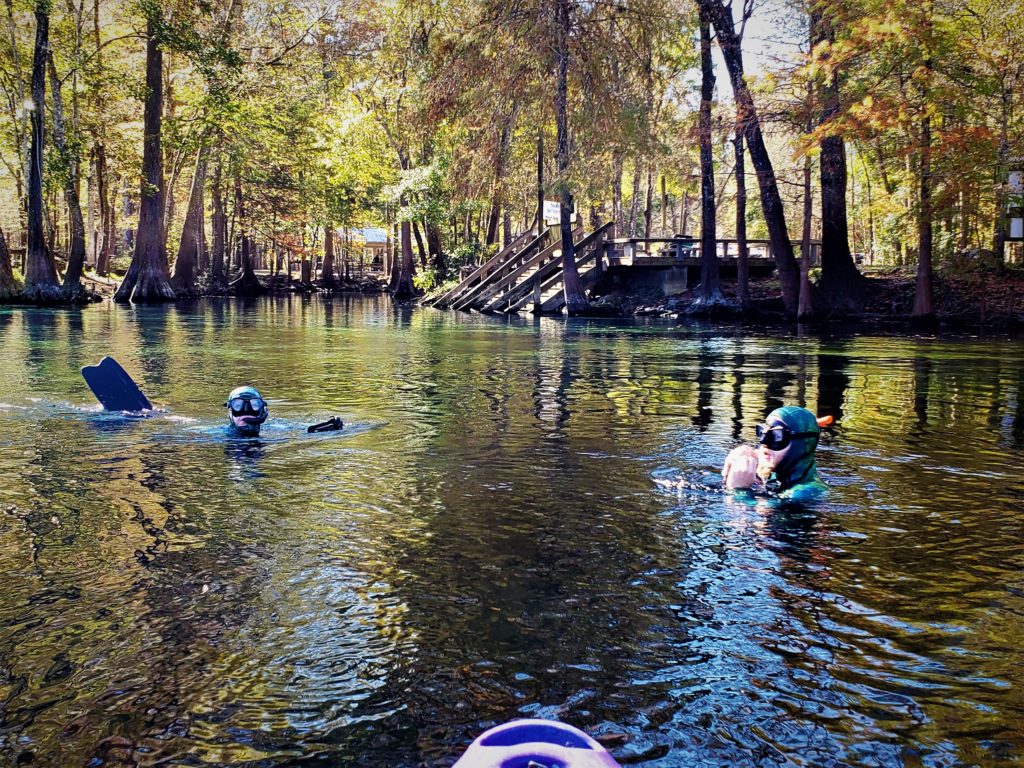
(625, 251)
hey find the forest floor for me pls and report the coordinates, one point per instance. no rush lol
(963, 298)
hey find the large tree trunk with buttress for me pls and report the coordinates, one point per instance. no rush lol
(219, 224)
(40, 273)
(842, 286)
(404, 288)
(192, 245)
(148, 278)
(327, 270)
(575, 299)
(771, 202)
(246, 284)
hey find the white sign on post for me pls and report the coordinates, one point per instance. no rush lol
(1017, 229)
(1016, 182)
(552, 211)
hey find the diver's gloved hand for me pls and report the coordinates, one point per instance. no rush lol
(740, 468)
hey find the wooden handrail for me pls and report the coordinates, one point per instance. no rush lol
(515, 274)
(497, 258)
(497, 274)
(550, 273)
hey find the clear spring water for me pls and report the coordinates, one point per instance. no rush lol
(485, 541)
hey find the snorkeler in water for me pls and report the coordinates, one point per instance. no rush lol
(784, 456)
(247, 410)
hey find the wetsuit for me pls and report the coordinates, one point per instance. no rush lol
(797, 473)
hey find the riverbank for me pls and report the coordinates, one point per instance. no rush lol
(966, 298)
(97, 288)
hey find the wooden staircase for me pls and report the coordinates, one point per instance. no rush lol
(544, 287)
(529, 270)
(482, 272)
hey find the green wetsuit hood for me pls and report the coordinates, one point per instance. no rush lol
(797, 466)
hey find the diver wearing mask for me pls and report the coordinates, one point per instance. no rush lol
(247, 410)
(784, 455)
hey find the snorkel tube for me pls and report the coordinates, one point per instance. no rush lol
(247, 410)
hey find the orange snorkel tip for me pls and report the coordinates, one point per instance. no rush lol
(825, 421)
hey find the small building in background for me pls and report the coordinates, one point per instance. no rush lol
(372, 240)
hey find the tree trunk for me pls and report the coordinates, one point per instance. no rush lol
(506, 232)
(435, 250)
(219, 222)
(192, 245)
(742, 251)
(8, 285)
(664, 207)
(805, 311)
(405, 290)
(327, 270)
(771, 202)
(540, 181)
(924, 302)
(420, 249)
(150, 274)
(617, 189)
(634, 203)
(842, 285)
(493, 217)
(575, 298)
(246, 284)
(396, 258)
(497, 192)
(710, 292)
(72, 288)
(649, 201)
(106, 240)
(999, 226)
(40, 272)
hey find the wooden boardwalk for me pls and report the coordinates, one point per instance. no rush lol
(529, 270)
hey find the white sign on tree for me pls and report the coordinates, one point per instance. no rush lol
(552, 211)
